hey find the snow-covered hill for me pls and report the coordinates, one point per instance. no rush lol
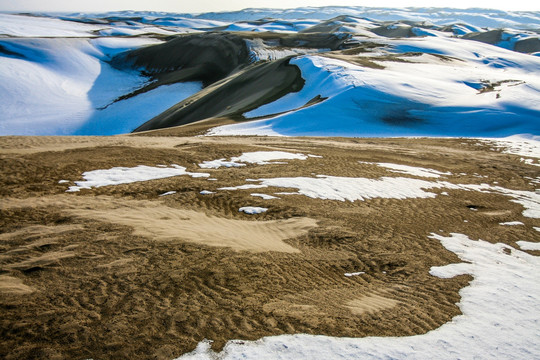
(431, 86)
(365, 72)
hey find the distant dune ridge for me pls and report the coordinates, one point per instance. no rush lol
(348, 71)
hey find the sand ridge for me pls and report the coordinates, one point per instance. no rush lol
(162, 223)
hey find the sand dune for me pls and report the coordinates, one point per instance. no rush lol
(233, 96)
(162, 223)
(371, 244)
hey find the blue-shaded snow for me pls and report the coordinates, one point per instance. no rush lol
(57, 86)
(424, 97)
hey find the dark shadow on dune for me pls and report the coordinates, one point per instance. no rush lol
(206, 57)
(491, 37)
(392, 110)
(4, 51)
(530, 45)
(258, 85)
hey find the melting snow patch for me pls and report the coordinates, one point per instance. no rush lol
(257, 157)
(216, 164)
(351, 189)
(528, 199)
(252, 210)
(527, 245)
(265, 196)
(500, 307)
(512, 223)
(168, 193)
(410, 170)
(522, 145)
(243, 187)
(125, 175)
(354, 273)
(206, 192)
(529, 162)
(63, 181)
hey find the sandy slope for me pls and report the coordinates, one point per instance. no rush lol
(122, 272)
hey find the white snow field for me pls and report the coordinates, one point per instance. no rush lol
(501, 317)
(425, 96)
(55, 78)
(309, 16)
(59, 83)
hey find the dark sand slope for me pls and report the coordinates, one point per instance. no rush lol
(394, 31)
(207, 57)
(489, 37)
(528, 46)
(258, 85)
(306, 39)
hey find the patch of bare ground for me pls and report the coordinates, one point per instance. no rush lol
(120, 272)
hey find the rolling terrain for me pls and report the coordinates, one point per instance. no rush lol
(389, 210)
(373, 73)
(140, 246)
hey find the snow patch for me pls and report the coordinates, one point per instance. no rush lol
(527, 146)
(257, 157)
(512, 223)
(126, 175)
(349, 189)
(265, 196)
(168, 193)
(527, 245)
(352, 189)
(410, 170)
(252, 210)
(354, 273)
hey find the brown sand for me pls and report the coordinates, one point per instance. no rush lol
(14, 286)
(371, 303)
(163, 223)
(120, 272)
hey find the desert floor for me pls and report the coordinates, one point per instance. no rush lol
(121, 272)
